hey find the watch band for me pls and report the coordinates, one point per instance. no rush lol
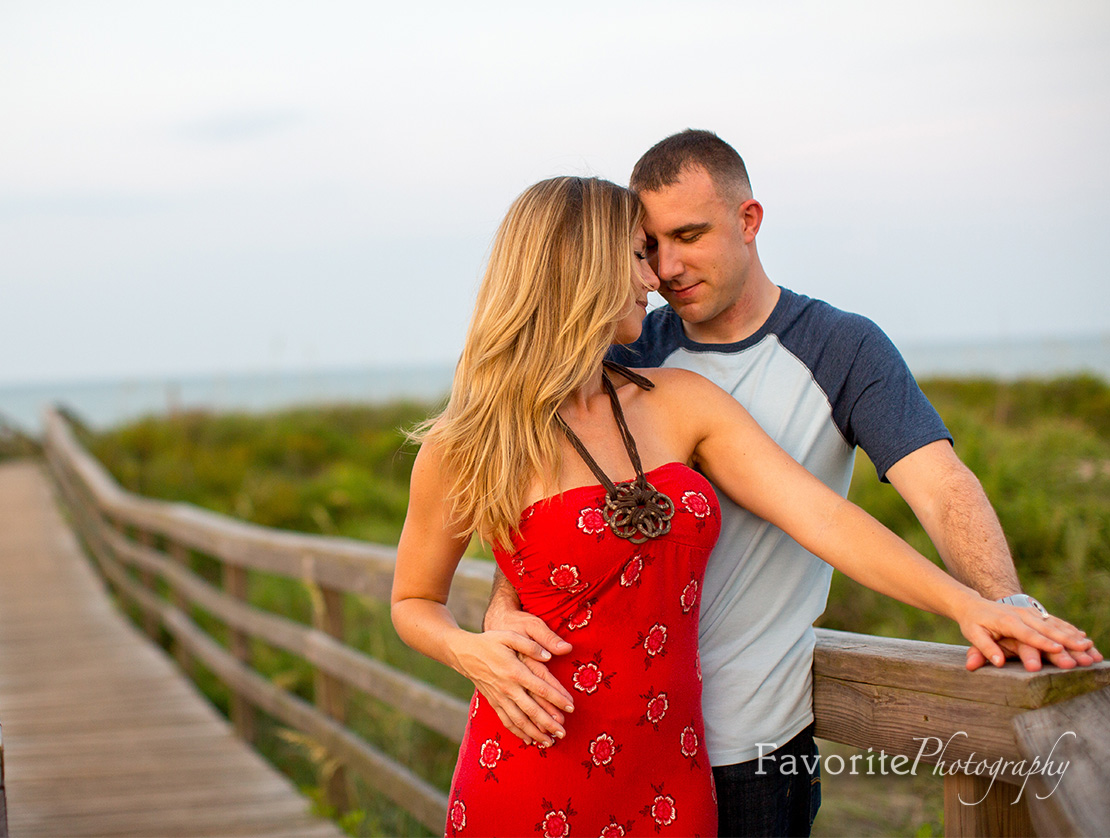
(1024, 601)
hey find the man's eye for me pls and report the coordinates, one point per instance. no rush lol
(689, 238)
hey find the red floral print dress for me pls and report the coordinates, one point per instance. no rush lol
(633, 761)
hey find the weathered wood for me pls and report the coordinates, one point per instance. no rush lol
(329, 692)
(424, 801)
(918, 700)
(169, 760)
(938, 669)
(242, 713)
(150, 625)
(1069, 797)
(427, 803)
(331, 562)
(180, 555)
(974, 806)
(424, 703)
(3, 797)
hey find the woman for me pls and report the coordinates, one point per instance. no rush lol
(581, 477)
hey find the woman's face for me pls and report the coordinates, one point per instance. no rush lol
(643, 280)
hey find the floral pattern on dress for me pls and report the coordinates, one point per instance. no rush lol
(555, 822)
(491, 754)
(689, 598)
(566, 577)
(518, 562)
(630, 613)
(696, 504)
(588, 676)
(689, 744)
(615, 829)
(456, 818)
(661, 809)
(602, 750)
(582, 616)
(654, 642)
(655, 709)
(592, 522)
(633, 568)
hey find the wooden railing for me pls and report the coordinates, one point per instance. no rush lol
(899, 697)
(3, 796)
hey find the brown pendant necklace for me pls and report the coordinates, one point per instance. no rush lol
(635, 510)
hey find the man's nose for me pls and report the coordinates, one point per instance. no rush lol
(666, 264)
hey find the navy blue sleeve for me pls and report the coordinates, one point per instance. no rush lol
(875, 400)
(884, 411)
(661, 335)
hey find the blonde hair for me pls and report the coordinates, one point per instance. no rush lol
(558, 280)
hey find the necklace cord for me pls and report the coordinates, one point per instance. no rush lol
(635, 510)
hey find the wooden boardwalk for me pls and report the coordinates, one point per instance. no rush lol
(102, 735)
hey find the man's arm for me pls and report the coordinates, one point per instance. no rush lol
(505, 614)
(951, 505)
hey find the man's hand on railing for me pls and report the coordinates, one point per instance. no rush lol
(996, 631)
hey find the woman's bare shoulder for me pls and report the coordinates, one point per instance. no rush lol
(670, 381)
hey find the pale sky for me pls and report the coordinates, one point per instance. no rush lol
(215, 187)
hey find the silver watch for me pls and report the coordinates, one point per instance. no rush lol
(1024, 601)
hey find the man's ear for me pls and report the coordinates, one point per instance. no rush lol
(751, 217)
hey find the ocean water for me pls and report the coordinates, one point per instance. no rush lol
(109, 402)
(102, 404)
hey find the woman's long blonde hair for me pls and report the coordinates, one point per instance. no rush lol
(558, 280)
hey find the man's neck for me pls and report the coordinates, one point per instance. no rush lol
(742, 319)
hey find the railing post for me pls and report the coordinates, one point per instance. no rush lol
(3, 798)
(330, 693)
(148, 578)
(180, 555)
(242, 712)
(973, 807)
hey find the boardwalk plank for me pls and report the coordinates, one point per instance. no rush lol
(102, 735)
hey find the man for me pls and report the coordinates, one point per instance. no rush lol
(820, 382)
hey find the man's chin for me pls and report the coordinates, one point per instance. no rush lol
(686, 310)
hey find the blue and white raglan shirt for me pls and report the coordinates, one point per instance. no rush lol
(820, 381)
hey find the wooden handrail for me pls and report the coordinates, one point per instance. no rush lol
(899, 697)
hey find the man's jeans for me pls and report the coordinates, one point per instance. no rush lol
(774, 802)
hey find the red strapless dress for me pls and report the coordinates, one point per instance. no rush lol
(633, 761)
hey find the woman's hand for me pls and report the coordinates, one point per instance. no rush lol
(504, 666)
(992, 628)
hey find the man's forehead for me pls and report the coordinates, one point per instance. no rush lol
(691, 200)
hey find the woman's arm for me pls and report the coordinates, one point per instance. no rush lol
(753, 471)
(427, 555)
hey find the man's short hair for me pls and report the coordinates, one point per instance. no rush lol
(664, 163)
